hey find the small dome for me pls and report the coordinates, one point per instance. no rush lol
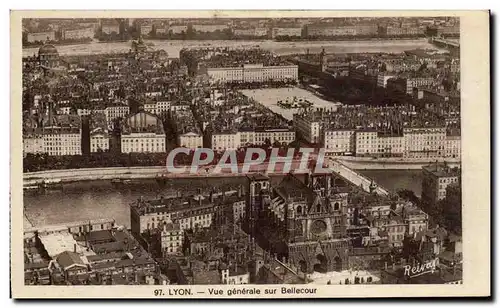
(47, 50)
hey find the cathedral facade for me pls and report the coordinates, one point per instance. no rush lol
(303, 222)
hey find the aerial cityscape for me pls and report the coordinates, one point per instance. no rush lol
(231, 151)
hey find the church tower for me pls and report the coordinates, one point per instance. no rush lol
(322, 60)
(258, 198)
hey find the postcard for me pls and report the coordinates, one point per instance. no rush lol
(250, 154)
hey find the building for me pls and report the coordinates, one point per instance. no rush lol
(162, 106)
(146, 29)
(188, 213)
(48, 57)
(416, 82)
(452, 30)
(98, 136)
(110, 28)
(391, 144)
(209, 27)
(234, 274)
(226, 74)
(311, 216)
(71, 265)
(452, 147)
(114, 112)
(424, 142)
(253, 73)
(88, 253)
(261, 135)
(400, 65)
(225, 140)
(150, 107)
(413, 142)
(416, 220)
(172, 238)
(382, 79)
(307, 127)
(161, 30)
(84, 111)
(33, 143)
(191, 140)
(370, 142)
(78, 34)
(404, 31)
(283, 32)
(436, 178)
(177, 29)
(239, 208)
(63, 138)
(179, 107)
(408, 84)
(396, 229)
(250, 32)
(319, 31)
(335, 31)
(41, 36)
(366, 142)
(99, 140)
(340, 141)
(366, 30)
(142, 133)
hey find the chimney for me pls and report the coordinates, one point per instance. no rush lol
(74, 248)
(240, 191)
(308, 178)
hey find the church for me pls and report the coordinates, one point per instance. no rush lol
(49, 60)
(302, 222)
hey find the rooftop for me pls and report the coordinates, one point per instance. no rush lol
(439, 169)
(68, 258)
(56, 243)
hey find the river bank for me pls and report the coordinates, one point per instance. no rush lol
(368, 163)
(50, 177)
(173, 47)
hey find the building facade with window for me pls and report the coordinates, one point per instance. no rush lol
(172, 238)
(254, 73)
(143, 133)
(436, 178)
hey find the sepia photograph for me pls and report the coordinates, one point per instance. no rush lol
(232, 155)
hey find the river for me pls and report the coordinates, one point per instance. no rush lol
(172, 47)
(394, 180)
(101, 199)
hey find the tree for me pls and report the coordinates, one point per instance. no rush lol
(409, 195)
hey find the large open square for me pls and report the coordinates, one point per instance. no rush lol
(270, 98)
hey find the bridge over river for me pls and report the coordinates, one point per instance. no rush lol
(49, 177)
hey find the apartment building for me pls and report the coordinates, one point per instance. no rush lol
(339, 141)
(253, 73)
(436, 178)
